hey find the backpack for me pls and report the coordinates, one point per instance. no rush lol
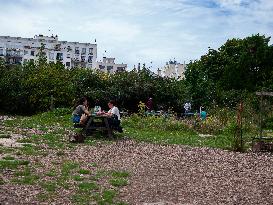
(76, 138)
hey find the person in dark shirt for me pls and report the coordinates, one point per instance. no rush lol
(80, 112)
(149, 105)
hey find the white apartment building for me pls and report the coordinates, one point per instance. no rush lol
(109, 65)
(173, 69)
(17, 50)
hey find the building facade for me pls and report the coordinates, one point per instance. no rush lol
(109, 65)
(17, 50)
(173, 69)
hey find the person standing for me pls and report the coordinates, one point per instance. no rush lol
(149, 105)
(203, 113)
(187, 107)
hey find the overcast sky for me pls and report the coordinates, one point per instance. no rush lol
(142, 31)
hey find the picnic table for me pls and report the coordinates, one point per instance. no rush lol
(98, 123)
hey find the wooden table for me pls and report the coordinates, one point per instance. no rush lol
(99, 122)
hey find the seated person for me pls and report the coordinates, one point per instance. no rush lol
(97, 108)
(80, 112)
(203, 113)
(115, 116)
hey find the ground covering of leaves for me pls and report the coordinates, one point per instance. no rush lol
(47, 169)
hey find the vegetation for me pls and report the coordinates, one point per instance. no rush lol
(221, 77)
(38, 163)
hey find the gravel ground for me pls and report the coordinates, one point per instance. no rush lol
(171, 174)
(178, 174)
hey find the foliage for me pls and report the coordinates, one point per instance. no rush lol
(141, 108)
(220, 77)
(216, 131)
(34, 87)
(226, 75)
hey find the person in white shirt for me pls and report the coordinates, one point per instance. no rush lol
(113, 109)
(114, 113)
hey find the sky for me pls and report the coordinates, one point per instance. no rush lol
(140, 31)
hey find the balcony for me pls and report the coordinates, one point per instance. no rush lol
(13, 54)
(57, 47)
(120, 69)
(75, 60)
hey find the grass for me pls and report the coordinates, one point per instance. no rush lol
(29, 179)
(9, 158)
(25, 172)
(12, 164)
(120, 174)
(107, 197)
(87, 186)
(118, 182)
(172, 131)
(49, 186)
(84, 171)
(49, 130)
(5, 136)
(67, 167)
(2, 182)
(51, 173)
(93, 164)
(78, 178)
(80, 198)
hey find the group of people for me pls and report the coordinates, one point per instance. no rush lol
(187, 110)
(81, 113)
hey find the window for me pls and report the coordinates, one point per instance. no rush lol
(25, 52)
(67, 64)
(110, 61)
(51, 56)
(59, 56)
(77, 51)
(83, 50)
(120, 69)
(90, 50)
(109, 68)
(101, 67)
(32, 53)
(90, 58)
(17, 53)
(1, 52)
(83, 58)
(8, 52)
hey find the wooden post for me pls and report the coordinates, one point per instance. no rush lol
(51, 102)
(239, 132)
(261, 117)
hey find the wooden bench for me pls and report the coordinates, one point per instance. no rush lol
(99, 123)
